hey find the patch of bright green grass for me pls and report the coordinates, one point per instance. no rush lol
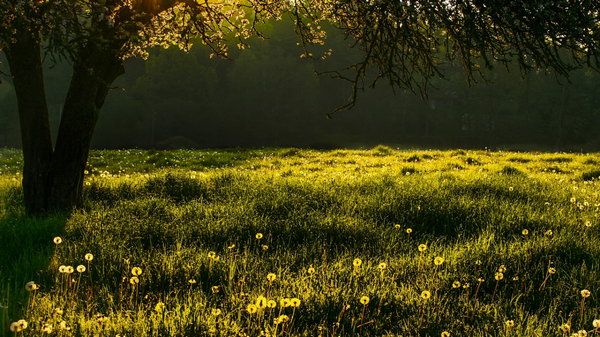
(508, 243)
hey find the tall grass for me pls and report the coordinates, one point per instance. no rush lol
(331, 238)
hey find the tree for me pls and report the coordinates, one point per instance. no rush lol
(404, 40)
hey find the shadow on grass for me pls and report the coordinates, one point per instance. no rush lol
(26, 252)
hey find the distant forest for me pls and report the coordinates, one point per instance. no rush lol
(267, 96)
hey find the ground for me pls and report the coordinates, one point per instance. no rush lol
(289, 242)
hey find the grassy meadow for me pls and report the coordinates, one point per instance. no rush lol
(289, 242)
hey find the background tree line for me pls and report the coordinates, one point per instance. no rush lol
(268, 95)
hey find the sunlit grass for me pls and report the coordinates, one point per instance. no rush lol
(288, 242)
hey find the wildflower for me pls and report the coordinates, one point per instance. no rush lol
(481, 280)
(357, 262)
(311, 270)
(136, 271)
(365, 300)
(259, 236)
(80, 268)
(69, 270)
(214, 289)
(585, 293)
(261, 302)
(499, 276)
(22, 324)
(57, 240)
(573, 200)
(14, 327)
(582, 333)
(425, 294)
(466, 285)
(438, 260)
(265, 247)
(31, 286)
(456, 284)
(251, 308)
(58, 311)
(212, 255)
(271, 277)
(89, 257)
(192, 281)
(64, 326)
(281, 319)
(382, 266)
(596, 323)
(502, 269)
(445, 334)
(422, 247)
(231, 246)
(271, 304)
(295, 302)
(47, 328)
(511, 188)
(216, 312)
(159, 307)
(134, 280)
(397, 226)
(515, 278)
(565, 327)
(62, 269)
(588, 223)
(285, 302)
(549, 232)
(551, 270)
(408, 230)
(525, 232)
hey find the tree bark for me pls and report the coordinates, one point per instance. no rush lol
(93, 74)
(25, 63)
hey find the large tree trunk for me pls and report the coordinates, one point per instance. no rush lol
(92, 76)
(24, 58)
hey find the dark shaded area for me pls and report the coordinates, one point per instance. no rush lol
(268, 96)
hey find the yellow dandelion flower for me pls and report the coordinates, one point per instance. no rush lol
(216, 312)
(510, 323)
(14, 327)
(64, 326)
(47, 328)
(481, 280)
(261, 302)
(551, 270)
(69, 270)
(311, 270)
(525, 232)
(295, 302)
(499, 276)
(62, 269)
(573, 200)
(214, 289)
(192, 281)
(251, 308)
(438, 260)
(271, 277)
(425, 295)
(134, 280)
(565, 327)
(466, 285)
(22, 324)
(258, 236)
(57, 240)
(585, 293)
(89, 257)
(511, 188)
(357, 262)
(285, 302)
(445, 334)
(596, 323)
(582, 333)
(159, 307)
(456, 284)
(136, 271)
(31, 286)
(382, 266)
(548, 232)
(265, 247)
(588, 223)
(408, 230)
(231, 246)
(397, 226)
(422, 247)
(502, 269)
(365, 300)
(80, 268)
(211, 255)
(515, 278)
(271, 304)
(58, 311)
